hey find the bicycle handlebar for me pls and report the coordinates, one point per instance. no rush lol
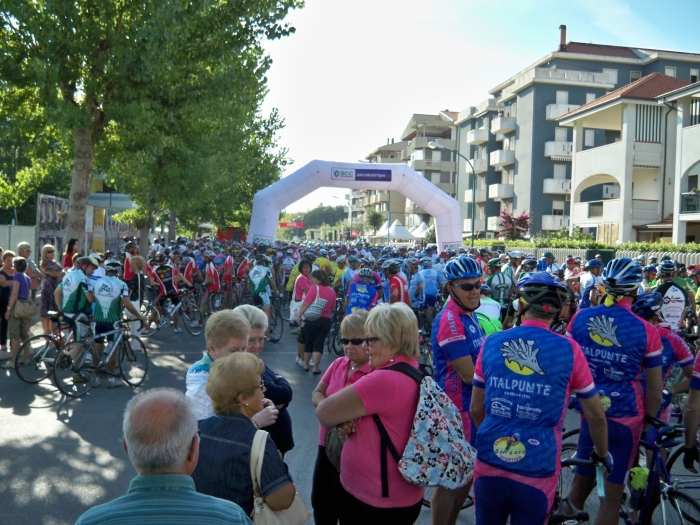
(578, 462)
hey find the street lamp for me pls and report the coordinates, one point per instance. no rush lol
(436, 145)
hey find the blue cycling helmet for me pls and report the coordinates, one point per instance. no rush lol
(594, 263)
(667, 268)
(486, 290)
(650, 269)
(461, 268)
(622, 276)
(543, 292)
(648, 304)
(542, 265)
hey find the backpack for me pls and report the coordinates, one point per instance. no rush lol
(437, 452)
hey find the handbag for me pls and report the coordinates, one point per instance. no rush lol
(24, 309)
(262, 514)
(315, 309)
(334, 447)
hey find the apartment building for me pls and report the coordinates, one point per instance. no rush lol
(522, 154)
(381, 201)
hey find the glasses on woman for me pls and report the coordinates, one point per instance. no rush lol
(369, 340)
(256, 341)
(262, 385)
(355, 342)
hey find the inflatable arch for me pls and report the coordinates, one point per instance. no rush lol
(269, 201)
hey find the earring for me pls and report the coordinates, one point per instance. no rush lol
(246, 404)
(391, 360)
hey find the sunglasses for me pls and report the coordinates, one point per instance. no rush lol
(355, 342)
(47, 251)
(467, 287)
(369, 340)
(262, 385)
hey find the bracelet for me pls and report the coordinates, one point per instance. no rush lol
(256, 424)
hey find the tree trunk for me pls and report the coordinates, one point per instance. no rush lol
(144, 233)
(83, 155)
(172, 227)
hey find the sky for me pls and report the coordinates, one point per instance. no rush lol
(355, 71)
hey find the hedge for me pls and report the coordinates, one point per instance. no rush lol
(584, 245)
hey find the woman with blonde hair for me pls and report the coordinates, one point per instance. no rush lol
(277, 388)
(341, 372)
(237, 392)
(52, 275)
(391, 336)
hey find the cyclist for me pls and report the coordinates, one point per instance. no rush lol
(416, 284)
(590, 283)
(398, 289)
(322, 261)
(111, 297)
(501, 285)
(166, 278)
(74, 294)
(350, 272)
(522, 382)
(337, 279)
(691, 420)
(212, 282)
(617, 370)
(510, 268)
(288, 264)
(552, 266)
(649, 277)
(456, 339)
(260, 280)
(675, 296)
(489, 312)
(432, 285)
(130, 249)
(362, 295)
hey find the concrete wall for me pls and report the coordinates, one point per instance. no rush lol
(524, 186)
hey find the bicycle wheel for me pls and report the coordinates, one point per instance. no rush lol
(688, 481)
(133, 361)
(678, 509)
(75, 376)
(215, 302)
(194, 323)
(153, 320)
(276, 324)
(283, 305)
(334, 336)
(566, 478)
(428, 493)
(40, 358)
(425, 360)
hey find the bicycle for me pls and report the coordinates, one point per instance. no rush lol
(157, 316)
(332, 341)
(276, 319)
(42, 351)
(425, 359)
(78, 365)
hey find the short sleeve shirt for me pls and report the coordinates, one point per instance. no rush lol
(259, 277)
(695, 380)
(75, 285)
(398, 284)
(108, 298)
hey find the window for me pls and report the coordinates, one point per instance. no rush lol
(445, 177)
(670, 71)
(590, 97)
(588, 138)
(693, 76)
(562, 97)
(635, 75)
(560, 134)
(426, 175)
(558, 208)
(560, 171)
(612, 75)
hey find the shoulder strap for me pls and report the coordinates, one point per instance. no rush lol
(257, 453)
(406, 369)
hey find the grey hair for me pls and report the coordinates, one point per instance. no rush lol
(158, 427)
(256, 317)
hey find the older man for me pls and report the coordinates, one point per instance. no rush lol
(161, 438)
(24, 249)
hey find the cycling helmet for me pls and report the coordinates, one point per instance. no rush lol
(96, 256)
(648, 304)
(323, 252)
(261, 259)
(486, 290)
(391, 266)
(412, 260)
(516, 254)
(532, 256)
(528, 265)
(82, 261)
(695, 271)
(461, 268)
(494, 263)
(622, 276)
(666, 257)
(667, 268)
(549, 255)
(208, 253)
(650, 269)
(541, 291)
(161, 257)
(113, 265)
(340, 259)
(542, 265)
(426, 262)
(594, 263)
(366, 274)
(352, 259)
(484, 251)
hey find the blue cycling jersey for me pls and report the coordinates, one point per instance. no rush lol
(432, 280)
(416, 279)
(362, 296)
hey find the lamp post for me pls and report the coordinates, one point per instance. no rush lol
(436, 145)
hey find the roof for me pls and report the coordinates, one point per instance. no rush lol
(646, 88)
(690, 89)
(600, 49)
(451, 114)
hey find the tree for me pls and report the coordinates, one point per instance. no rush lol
(512, 228)
(374, 219)
(85, 63)
(324, 215)
(430, 235)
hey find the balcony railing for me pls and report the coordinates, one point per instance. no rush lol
(690, 203)
(430, 164)
(502, 125)
(557, 186)
(559, 149)
(480, 165)
(558, 76)
(477, 136)
(480, 196)
(492, 223)
(500, 191)
(554, 111)
(555, 222)
(502, 157)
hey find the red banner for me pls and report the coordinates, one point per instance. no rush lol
(291, 224)
(354, 234)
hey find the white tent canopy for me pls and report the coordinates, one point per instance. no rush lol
(398, 231)
(382, 231)
(419, 232)
(413, 228)
(269, 201)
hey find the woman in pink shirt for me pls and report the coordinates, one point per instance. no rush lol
(342, 372)
(314, 333)
(391, 337)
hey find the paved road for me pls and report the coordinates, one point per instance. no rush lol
(59, 456)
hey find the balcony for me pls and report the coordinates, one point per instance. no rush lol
(502, 157)
(554, 111)
(379, 197)
(646, 210)
(557, 186)
(647, 155)
(477, 136)
(600, 211)
(690, 203)
(502, 125)
(555, 222)
(423, 142)
(557, 150)
(479, 225)
(556, 76)
(492, 223)
(430, 164)
(480, 165)
(500, 191)
(480, 196)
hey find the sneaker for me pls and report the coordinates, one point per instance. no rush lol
(5, 355)
(311, 362)
(195, 324)
(274, 340)
(114, 384)
(177, 330)
(299, 361)
(81, 378)
(8, 366)
(294, 331)
(96, 384)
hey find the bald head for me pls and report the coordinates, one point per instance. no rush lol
(159, 427)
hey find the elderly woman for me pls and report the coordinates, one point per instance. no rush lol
(391, 337)
(342, 372)
(277, 388)
(52, 274)
(237, 393)
(18, 328)
(7, 272)
(225, 333)
(314, 332)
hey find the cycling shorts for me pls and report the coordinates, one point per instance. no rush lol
(101, 328)
(430, 300)
(623, 440)
(174, 299)
(80, 330)
(263, 297)
(499, 495)
(469, 427)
